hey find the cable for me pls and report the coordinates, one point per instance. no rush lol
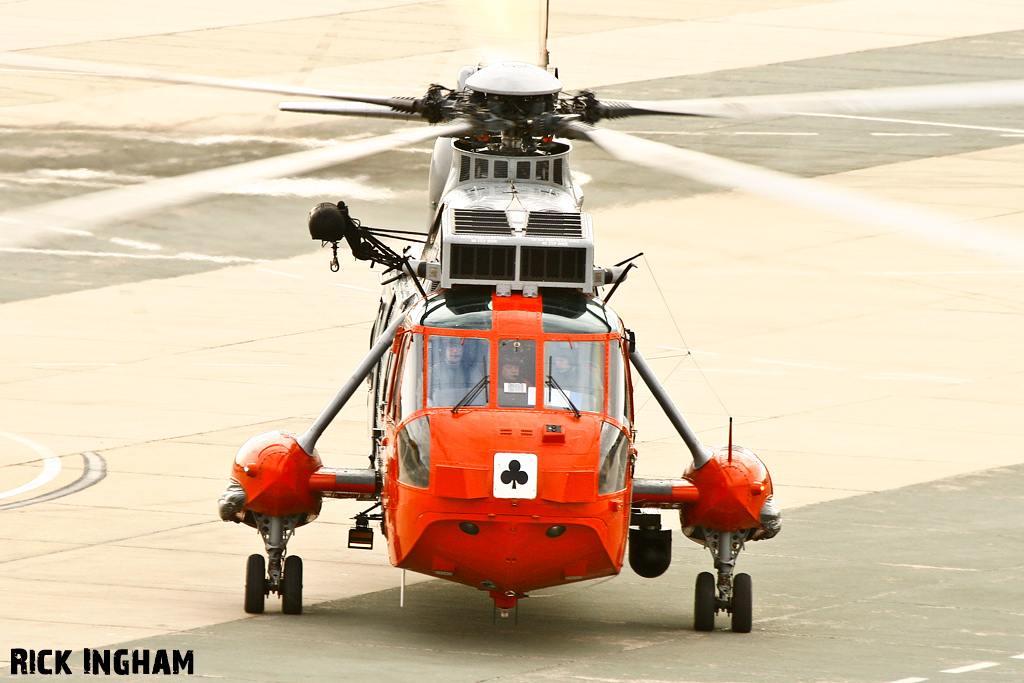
(685, 346)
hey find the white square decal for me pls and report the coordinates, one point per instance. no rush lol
(515, 475)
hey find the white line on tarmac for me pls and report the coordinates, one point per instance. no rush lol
(795, 365)
(970, 667)
(146, 257)
(135, 244)
(907, 377)
(361, 289)
(911, 135)
(68, 365)
(94, 470)
(903, 273)
(909, 680)
(754, 132)
(918, 123)
(1020, 656)
(245, 365)
(735, 372)
(278, 272)
(928, 566)
(51, 465)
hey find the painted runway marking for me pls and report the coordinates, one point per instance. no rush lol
(1020, 656)
(361, 289)
(911, 135)
(796, 365)
(135, 244)
(94, 470)
(51, 465)
(920, 123)
(926, 566)
(68, 365)
(909, 680)
(970, 667)
(245, 365)
(278, 272)
(907, 377)
(185, 256)
(903, 273)
(752, 132)
(736, 372)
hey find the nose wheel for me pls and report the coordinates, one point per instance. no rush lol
(730, 594)
(284, 574)
(255, 584)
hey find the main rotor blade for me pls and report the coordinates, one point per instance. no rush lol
(31, 62)
(76, 215)
(725, 173)
(880, 100)
(374, 111)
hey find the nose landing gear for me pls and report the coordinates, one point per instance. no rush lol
(284, 575)
(730, 594)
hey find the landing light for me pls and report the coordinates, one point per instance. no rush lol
(555, 531)
(470, 528)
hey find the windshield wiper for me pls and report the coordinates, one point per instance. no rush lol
(572, 406)
(471, 394)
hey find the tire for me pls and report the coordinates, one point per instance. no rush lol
(255, 584)
(742, 604)
(704, 602)
(291, 595)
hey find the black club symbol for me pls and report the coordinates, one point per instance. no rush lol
(514, 475)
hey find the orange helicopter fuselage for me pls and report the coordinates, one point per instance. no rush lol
(458, 519)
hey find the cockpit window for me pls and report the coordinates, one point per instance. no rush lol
(517, 373)
(618, 391)
(569, 312)
(456, 309)
(455, 366)
(411, 392)
(574, 375)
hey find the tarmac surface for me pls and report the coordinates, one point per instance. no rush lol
(880, 376)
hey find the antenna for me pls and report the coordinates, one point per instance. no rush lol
(730, 439)
(544, 57)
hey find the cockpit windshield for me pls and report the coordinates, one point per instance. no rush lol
(574, 375)
(455, 366)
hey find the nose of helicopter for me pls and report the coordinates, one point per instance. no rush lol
(509, 555)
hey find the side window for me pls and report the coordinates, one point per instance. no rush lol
(517, 373)
(574, 375)
(414, 453)
(410, 395)
(618, 390)
(457, 370)
(395, 380)
(614, 458)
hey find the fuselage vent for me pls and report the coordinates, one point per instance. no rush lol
(481, 222)
(482, 262)
(553, 264)
(555, 224)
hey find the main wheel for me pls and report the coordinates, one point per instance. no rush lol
(742, 604)
(291, 602)
(255, 584)
(704, 602)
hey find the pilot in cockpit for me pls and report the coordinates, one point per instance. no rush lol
(456, 365)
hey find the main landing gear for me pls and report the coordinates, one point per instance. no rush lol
(730, 594)
(285, 574)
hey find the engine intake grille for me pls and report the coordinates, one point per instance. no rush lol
(482, 262)
(481, 222)
(553, 264)
(554, 224)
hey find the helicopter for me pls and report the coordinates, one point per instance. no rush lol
(505, 113)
